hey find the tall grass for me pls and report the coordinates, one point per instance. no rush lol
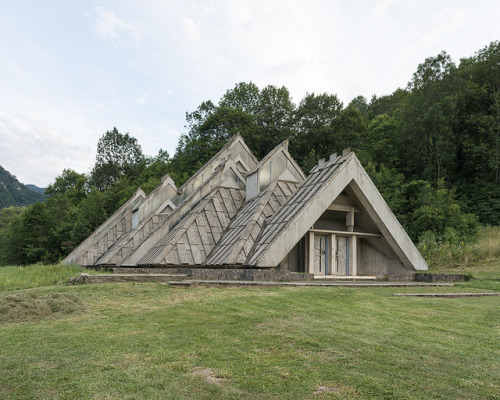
(18, 277)
(483, 248)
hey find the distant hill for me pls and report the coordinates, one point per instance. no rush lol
(14, 193)
(35, 188)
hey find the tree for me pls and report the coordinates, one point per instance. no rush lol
(433, 69)
(274, 117)
(483, 70)
(428, 119)
(10, 243)
(316, 121)
(390, 104)
(382, 141)
(69, 183)
(118, 155)
(91, 214)
(361, 104)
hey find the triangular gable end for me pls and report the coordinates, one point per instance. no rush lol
(278, 164)
(107, 233)
(291, 224)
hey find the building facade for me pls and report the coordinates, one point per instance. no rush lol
(243, 218)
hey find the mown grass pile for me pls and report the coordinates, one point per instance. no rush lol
(23, 306)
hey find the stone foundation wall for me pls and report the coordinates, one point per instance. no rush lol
(224, 274)
(428, 277)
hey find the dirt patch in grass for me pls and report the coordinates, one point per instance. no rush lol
(27, 306)
(209, 375)
(337, 391)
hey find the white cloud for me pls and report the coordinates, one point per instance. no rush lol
(34, 152)
(381, 8)
(142, 99)
(447, 21)
(114, 29)
(191, 29)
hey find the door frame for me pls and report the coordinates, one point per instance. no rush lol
(331, 250)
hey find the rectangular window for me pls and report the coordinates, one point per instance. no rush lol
(135, 219)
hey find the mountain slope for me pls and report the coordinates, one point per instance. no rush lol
(35, 188)
(14, 193)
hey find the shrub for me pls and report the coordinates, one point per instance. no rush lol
(451, 250)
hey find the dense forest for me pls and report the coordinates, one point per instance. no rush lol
(432, 149)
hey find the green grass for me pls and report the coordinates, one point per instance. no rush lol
(18, 277)
(153, 341)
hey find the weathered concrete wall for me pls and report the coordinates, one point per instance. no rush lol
(105, 278)
(230, 274)
(371, 261)
(428, 277)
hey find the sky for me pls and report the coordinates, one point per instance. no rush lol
(71, 70)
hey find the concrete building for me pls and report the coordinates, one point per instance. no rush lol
(238, 218)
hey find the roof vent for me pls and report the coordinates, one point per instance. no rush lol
(321, 162)
(333, 157)
(346, 152)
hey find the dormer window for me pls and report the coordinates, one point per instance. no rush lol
(135, 219)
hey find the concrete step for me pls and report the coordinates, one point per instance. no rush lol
(101, 278)
(159, 270)
(182, 280)
(446, 294)
(366, 284)
(345, 278)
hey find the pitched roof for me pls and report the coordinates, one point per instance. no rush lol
(129, 241)
(194, 237)
(235, 148)
(238, 240)
(107, 233)
(314, 196)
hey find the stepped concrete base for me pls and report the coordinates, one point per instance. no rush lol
(276, 275)
(181, 280)
(451, 295)
(316, 284)
(434, 277)
(101, 278)
(159, 270)
(345, 278)
(225, 274)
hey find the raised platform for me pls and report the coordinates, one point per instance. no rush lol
(101, 278)
(317, 284)
(451, 295)
(182, 280)
(343, 278)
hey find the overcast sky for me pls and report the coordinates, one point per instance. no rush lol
(70, 70)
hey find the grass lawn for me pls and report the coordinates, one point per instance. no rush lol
(153, 341)
(36, 275)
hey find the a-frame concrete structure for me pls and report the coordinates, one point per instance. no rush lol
(337, 223)
(244, 218)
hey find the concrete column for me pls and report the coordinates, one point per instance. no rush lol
(349, 220)
(332, 262)
(353, 252)
(310, 261)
